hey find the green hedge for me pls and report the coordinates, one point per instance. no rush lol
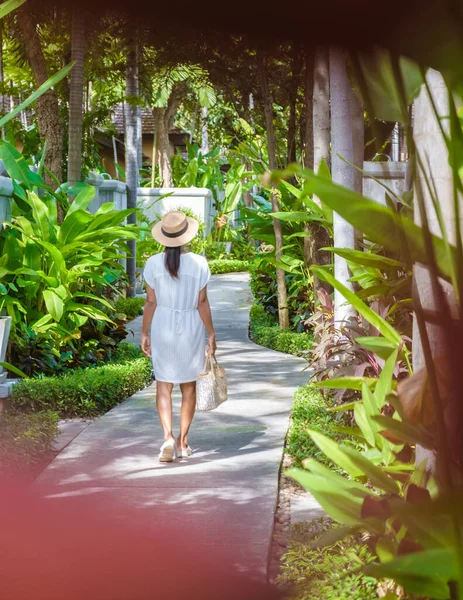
(265, 331)
(86, 392)
(310, 410)
(25, 439)
(219, 266)
(131, 307)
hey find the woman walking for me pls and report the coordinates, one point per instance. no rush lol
(178, 311)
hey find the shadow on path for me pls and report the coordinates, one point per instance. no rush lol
(225, 495)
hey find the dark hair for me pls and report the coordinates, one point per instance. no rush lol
(172, 260)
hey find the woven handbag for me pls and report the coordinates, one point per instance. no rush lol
(211, 385)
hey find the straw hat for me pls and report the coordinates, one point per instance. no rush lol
(175, 229)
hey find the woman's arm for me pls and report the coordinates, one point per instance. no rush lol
(148, 312)
(204, 309)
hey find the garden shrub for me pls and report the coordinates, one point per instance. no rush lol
(25, 439)
(265, 331)
(300, 301)
(223, 265)
(131, 307)
(310, 411)
(328, 572)
(86, 392)
(36, 353)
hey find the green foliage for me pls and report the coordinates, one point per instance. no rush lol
(228, 266)
(299, 292)
(86, 392)
(53, 276)
(131, 307)
(266, 332)
(326, 572)
(37, 352)
(25, 439)
(199, 170)
(310, 412)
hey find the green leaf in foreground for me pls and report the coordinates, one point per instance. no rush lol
(56, 78)
(370, 315)
(13, 369)
(347, 383)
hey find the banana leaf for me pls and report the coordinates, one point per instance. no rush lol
(354, 463)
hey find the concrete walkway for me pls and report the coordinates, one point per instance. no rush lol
(227, 492)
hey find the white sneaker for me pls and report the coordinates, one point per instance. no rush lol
(168, 451)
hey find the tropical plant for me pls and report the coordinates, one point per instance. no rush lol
(53, 276)
(413, 522)
(164, 94)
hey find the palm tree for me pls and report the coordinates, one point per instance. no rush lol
(431, 147)
(344, 112)
(76, 96)
(316, 149)
(167, 91)
(131, 151)
(283, 313)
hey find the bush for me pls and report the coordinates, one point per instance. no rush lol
(131, 307)
(327, 572)
(263, 286)
(228, 266)
(25, 439)
(86, 392)
(35, 353)
(310, 410)
(265, 331)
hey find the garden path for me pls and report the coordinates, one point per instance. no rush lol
(226, 493)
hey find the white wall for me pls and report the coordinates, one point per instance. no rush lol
(198, 200)
(391, 174)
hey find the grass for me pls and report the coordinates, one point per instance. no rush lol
(86, 392)
(131, 307)
(326, 572)
(310, 411)
(265, 331)
(25, 439)
(225, 265)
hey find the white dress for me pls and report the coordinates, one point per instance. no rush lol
(178, 335)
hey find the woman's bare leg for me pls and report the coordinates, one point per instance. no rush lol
(164, 406)
(187, 412)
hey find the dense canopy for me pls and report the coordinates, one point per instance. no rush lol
(358, 23)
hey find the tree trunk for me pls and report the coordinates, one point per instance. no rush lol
(163, 147)
(318, 105)
(342, 116)
(358, 133)
(76, 96)
(131, 154)
(321, 109)
(204, 131)
(2, 81)
(291, 154)
(47, 108)
(139, 140)
(283, 313)
(431, 147)
(164, 121)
